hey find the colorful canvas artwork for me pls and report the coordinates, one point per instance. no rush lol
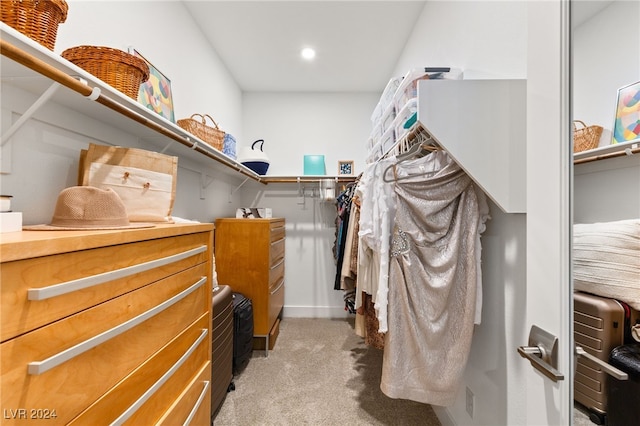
(626, 127)
(155, 93)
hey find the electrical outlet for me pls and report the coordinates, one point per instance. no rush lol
(470, 402)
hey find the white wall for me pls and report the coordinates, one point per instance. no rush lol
(53, 140)
(595, 89)
(486, 39)
(602, 65)
(335, 125)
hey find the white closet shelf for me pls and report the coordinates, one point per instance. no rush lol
(31, 67)
(482, 125)
(608, 151)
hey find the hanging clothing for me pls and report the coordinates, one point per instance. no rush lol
(377, 210)
(433, 279)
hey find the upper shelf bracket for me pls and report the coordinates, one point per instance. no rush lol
(29, 112)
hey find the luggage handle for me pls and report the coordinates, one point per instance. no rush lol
(606, 367)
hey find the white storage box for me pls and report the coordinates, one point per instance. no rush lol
(387, 118)
(10, 222)
(388, 140)
(403, 116)
(253, 213)
(408, 89)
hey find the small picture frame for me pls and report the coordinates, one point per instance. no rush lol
(345, 167)
(155, 93)
(626, 127)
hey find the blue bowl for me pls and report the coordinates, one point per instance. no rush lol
(260, 167)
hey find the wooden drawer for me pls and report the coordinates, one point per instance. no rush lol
(136, 325)
(277, 229)
(276, 300)
(276, 251)
(105, 273)
(155, 387)
(192, 407)
(276, 272)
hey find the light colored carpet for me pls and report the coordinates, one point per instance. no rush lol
(319, 373)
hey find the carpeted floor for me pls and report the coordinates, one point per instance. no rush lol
(319, 373)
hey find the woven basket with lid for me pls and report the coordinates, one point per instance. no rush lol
(123, 71)
(37, 19)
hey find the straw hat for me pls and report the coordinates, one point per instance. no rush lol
(87, 207)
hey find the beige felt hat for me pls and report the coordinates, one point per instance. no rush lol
(87, 207)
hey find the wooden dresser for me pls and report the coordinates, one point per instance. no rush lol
(250, 259)
(107, 327)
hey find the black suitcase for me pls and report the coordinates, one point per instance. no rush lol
(242, 332)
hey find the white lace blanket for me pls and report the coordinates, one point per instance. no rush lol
(606, 260)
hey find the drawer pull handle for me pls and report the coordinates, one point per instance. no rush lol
(277, 264)
(81, 283)
(278, 288)
(277, 242)
(39, 367)
(197, 405)
(166, 376)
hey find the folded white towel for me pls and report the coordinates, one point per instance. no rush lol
(606, 260)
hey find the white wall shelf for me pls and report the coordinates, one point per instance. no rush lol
(482, 125)
(608, 151)
(31, 67)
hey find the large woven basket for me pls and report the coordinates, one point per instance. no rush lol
(585, 137)
(212, 135)
(119, 69)
(37, 19)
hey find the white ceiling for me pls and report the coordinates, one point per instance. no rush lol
(358, 42)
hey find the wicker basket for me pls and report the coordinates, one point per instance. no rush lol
(585, 137)
(119, 69)
(212, 135)
(37, 19)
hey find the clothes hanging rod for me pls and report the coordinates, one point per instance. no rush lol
(41, 67)
(296, 179)
(627, 151)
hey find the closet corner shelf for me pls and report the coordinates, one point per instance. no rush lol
(608, 151)
(31, 67)
(480, 123)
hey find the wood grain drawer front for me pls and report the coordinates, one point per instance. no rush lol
(191, 407)
(68, 364)
(154, 387)
(276, 273)
(87, 278)
(276, 301)
(276, 251)
(277, 230)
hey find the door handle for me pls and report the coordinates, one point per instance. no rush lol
(606, 367)
(542, 352)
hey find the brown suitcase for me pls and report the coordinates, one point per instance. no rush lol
(222, 346)
(599, 327)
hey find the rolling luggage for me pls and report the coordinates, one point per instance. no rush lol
(222, 346)
(600, 325)
(624, 395)
(242, 332)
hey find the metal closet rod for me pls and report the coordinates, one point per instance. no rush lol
(39, 66)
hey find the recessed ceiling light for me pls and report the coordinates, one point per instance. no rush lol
(308, 53)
